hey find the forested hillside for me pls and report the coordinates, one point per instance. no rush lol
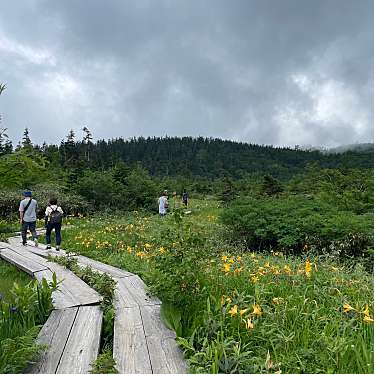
(203, 157)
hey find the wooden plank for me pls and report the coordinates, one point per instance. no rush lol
(63, 297)
(54, 334)
(129, 343)
(27, 265)
(83, 344)
(103, 268)
(132, 291)
(3, 245)
(81, 292)
(165, 356)
(26, 253)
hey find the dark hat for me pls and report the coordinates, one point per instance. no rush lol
(27, 193)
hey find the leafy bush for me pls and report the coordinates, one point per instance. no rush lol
(125, 190)
(71, 203)
(296, 223)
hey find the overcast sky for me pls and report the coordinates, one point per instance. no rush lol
(270, 72)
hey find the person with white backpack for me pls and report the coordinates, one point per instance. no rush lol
(53, 220)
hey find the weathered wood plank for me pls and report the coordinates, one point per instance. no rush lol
(26, 253)
(83, 344)
(129, 345)
(103, 268)
(27, 265)
(132, 290)
(3, 245)
(62, 298)
(54, 334)
(80, 291)
(165, 356)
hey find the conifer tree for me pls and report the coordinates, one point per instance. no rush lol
(26, 141)
(87, 141)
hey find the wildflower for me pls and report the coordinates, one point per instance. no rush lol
(239, 258)
(162, 250)
(368, 319)
(242, 311)
(147, 245)
(226, 268)
(287, 269)
(237, 271)
(224, 258)
(267, 264)
(277, 300)
(347, 308)
(231, 260)
(140, 254)
(308, 268)
(366, 311)
(254, 279)
(253, 255)
(257, 310)
(233, 311)
(249, 324)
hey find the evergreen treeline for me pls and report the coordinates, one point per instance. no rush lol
(203, 157)
(187, 157)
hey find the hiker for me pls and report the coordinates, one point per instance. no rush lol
(185, 198)
(27, 216)
(163, 204)
(53, 220)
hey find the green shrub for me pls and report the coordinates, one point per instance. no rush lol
(293, 222)
(72, 204)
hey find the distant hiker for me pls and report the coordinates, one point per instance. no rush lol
(53, 220)
(163, 203)
(27, 216)
(185, 198)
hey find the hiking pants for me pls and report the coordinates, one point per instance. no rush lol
(50, 227)
(28, 226)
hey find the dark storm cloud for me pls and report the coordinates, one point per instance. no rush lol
(274, 72)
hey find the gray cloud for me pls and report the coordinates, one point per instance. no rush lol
(273, 72)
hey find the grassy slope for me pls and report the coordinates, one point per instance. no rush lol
(264, 312)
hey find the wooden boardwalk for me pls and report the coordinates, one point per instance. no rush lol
(142, 343)
(72, 331)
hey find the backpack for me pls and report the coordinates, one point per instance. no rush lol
(55, 216)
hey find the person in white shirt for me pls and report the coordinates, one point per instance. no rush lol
(163, 204)
(53, 220)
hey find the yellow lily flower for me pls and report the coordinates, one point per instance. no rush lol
(242, 311)
(347, 308)
(308, 268)
(257, 310)
(233, 311)
(366, 311)
(368, 319)
(226, 268)
(249, 324)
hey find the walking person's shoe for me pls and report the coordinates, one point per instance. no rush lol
(48, 246)
(24, 243)
(57, 247)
